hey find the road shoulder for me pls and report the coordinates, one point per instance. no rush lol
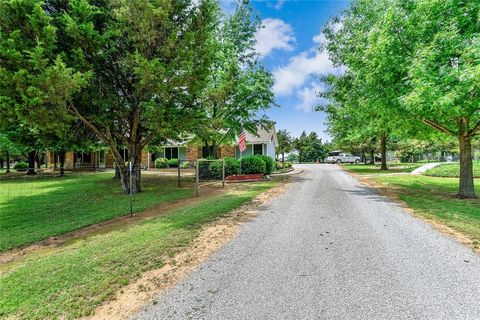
(394, 195)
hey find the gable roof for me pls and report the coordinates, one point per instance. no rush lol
(262, 136)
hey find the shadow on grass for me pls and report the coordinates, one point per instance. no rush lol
(35, 209)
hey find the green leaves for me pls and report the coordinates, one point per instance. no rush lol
(238, 88)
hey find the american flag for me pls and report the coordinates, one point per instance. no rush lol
(242, 142)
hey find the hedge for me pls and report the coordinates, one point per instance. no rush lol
(269, 163)
(253, 164)
(161, 163)
(21, 166)
(232, 167)
(173, 163)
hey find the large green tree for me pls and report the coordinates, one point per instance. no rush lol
(149, 62)
(285, 143)
(309, 147)
(367, 94)
(35, 83)
(445, 75)
(238, 86)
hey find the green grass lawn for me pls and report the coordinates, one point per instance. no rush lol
(434, 198)
(452, 170)
(74, 279)
(32, 209)
(375, 169)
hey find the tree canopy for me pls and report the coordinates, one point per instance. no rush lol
(132, 72)
(406, 63)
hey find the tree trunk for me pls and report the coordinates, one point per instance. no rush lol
(136, 177)
(467, 188)
(283, 156)
(125, 172)
(37, 160)
(117, 172)
(383, 146)
(442, 156)
(61, 159)
(364, 156)
(8, 161)
(372, 156)
(31, 163)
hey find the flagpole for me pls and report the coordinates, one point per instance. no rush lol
(241, 153)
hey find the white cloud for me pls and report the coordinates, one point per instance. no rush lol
(274, 34)
(301, 68)
(296, 78)
(320, 38)
(308, 96)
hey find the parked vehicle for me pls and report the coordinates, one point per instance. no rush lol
(341, 157)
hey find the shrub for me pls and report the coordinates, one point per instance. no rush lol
(232, 167)
(184, 164)
(279, 165)
(269, 164)
(253, 164)
(215, 169)
(287, 164)
(173, 163)
(21, 166)
(161, 163)
(210, 170)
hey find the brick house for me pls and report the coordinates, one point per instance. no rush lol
(265, 142)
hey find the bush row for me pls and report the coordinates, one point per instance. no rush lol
(283, 165)
(162, 163)
(247, 165)
(213, 169)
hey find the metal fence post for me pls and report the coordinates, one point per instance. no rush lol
(197, 179)
(178, 176)
(223, 173)
(130, 189)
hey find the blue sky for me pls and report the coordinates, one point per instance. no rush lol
(288, 45)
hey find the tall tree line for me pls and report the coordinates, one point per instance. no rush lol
(131, 72)
(408, 64)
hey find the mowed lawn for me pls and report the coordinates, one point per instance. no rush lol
(375, 169)
(434, 198)
(452, 170)
(74, 279)
(32, 209)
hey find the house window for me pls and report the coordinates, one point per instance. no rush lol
(87, 157)
(208, 152)
(101, 157)
(171, 152)
(258, 149)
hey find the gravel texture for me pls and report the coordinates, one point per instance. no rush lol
(330, 248)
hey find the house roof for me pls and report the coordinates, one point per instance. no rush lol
(262, 136)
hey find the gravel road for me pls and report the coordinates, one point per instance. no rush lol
(330, 248)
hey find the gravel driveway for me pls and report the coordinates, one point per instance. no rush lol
(330, 248)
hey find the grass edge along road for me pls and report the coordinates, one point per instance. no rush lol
(74, 280)
(433, 199)
(375, 169)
